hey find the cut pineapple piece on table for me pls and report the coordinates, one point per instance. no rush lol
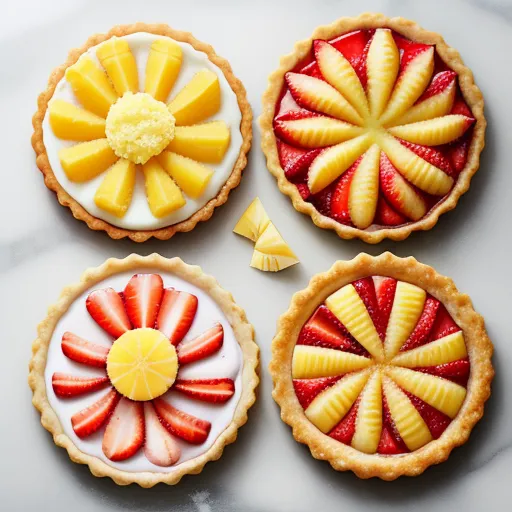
(91, 86)
(114, 195)
(162, 68)
(117, 59)
(253, 222)
(191, 176)
(164, 196)
(198, 100)
(206, 142)
(84, 161)
(70, 122)
(271, 252)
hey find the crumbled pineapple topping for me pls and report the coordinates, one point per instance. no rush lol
(139, 127)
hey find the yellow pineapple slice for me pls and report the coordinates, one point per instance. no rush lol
(382, 66)
(444, 350)
(253, 222)
(363, 193)
(206, 142)
(442, 394)
(310, 362)
(191, 176)
(368, 428)
(84, 161)
(162, 68)
(119, 63)
(405, 313)
(70, 122)
(271, 252)
(419, 172)
(334, 161)
(164, 196)
(408, 421)
(331, 406)
(91, 86)
(198, 100)
(142, 364)
(348, 307)
(114, 195)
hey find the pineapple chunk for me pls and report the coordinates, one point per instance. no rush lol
(70, 122)
(91, 86)
(271, 252)
(114, 195)
(117, 59)
(253, 222)
(191, 176)
(84, 161)
(162, 68)
(203, 142)
(198, 100)
(163, 194)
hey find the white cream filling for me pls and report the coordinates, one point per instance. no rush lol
(139, 216)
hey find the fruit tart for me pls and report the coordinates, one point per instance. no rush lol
(373, 127)
(381, 366)
(144, 370)
(142, 132)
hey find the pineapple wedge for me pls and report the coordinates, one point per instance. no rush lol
(70, 122)
(253, 222)
(114, 195)
(271, 252)
(162, 68)
(84, 161)
(198, 100)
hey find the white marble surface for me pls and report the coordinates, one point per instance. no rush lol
(42, 248)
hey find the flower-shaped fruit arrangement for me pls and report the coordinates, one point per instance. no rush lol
(374, 129)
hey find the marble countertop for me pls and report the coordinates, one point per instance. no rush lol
(42, 248)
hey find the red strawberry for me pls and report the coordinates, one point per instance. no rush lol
(444, 325)
(304, 191)
(410, 53)
(432, 156)
(456, 371)
(322, 201)
(203, 346)
(419, 335)
(107, 309)
(124, 435)
(66, 386)
(352, 45)
(386, 216)
(389, 426)
(312, 69)
(83, 351)
(458, 151)
(461, 107)
(181, 424)
(366, 290)
(439, 83)
(176, 314)
(388, 444)
(344, 431)
(208, 390)
(307, 389)
(89, 420)
(295, 162)
(142, 298)
(288, 104)
(436, 421)
(339, 202)
(385, 288)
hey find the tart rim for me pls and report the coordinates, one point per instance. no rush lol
(244, 334)
(201, 215)
(410, 29)
(343, 457)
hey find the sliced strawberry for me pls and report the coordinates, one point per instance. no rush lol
(410, 53)
(142, 298)
(89, 420)
(208, 390)
(385, 288)
(304, 191)
(388, 444)
(294, 161)
(386, 216)
(456, 371)
(83, 351)
(439, 83)
(443, 326)
(307, 389)
(344, 431)
(339, 202)
(107, 309)
(420, 334)
(352, 45)
(458, 151)
(66, 386)
(366, 290)
(436, 421)
(312, 69)
(181, 424)
(322, 201)
(461, 107)
(176, 314)
(397, 443)
(432, 156)
(124, 435)
(288, 104)
(203, 346)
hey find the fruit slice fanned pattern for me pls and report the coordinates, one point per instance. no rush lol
(154, 425)
(361, 95)
(407, 384)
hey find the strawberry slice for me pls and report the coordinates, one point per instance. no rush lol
(388, 445)
(385, 288)
(124, 435)
(439, 83)
(307, 389)
(142, 298)
(313, 70)
(344, 431)
(83, 351)
(432, 156)
(456, 371)
(203, 346)
(444, 325)
(352, 45)
(176, 314)
(181, 424)
(66, 386)
(458, 151)
(107, 309)
(294, 161)
(89, 420)
(207, 390)
(461, 107)
(366, 290)
(419, 335)
(436, 421)
(386, 216)
(339, 202)
(390, 438)
(304, 191)
(322, 200)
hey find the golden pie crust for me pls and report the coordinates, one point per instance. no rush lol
(244, 333)
(207, 210)
(414, 32)
(343, 457)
